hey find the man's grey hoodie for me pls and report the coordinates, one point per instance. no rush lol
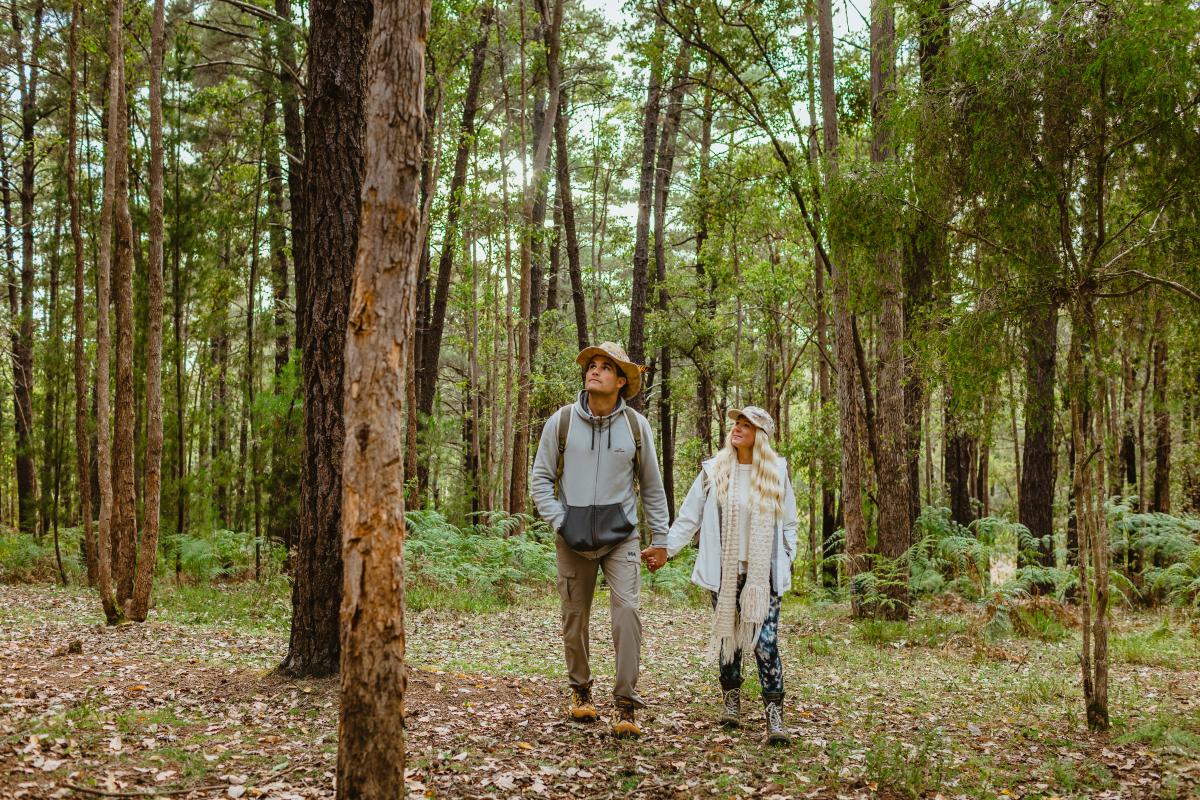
(596, 508)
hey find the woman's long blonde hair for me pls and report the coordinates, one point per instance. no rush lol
(766, 490)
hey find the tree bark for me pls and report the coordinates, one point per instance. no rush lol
(140, 604)
(563, 180)
(378, 347)
(82, 434)
(893, 464)
(848, 388)
(928, 246)
(290, 95)
(662, 187)
(124, 521)
(23, 333)
(431, 339)
(641, 246)
(334, 128)
(1161, 500)
(1036, 497)
(113, 158)
(277, 235)
(520, 471)
(704, 346)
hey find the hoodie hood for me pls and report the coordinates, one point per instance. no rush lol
(601, 427)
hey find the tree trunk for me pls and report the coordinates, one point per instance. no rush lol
(277, 236)
(1088, 490)
(1036, 496)
(849, 394)
(23, 333)
(1162, 419)
(928, 247)
(334, 128)
(124, 521)
(662, 187)
(895, 498)
(959, 460)
(641, 247)
(290, 95)
(520, 469)
(378, 347)
(113, 159)
(140, 604)
(562, 179)
(82, 433)
(704, 345)
(431, 339)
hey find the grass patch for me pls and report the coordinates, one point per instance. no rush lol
(1166, 731)
(1161, 646)
(909, 770)
(244, 606)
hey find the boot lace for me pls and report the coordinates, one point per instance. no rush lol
(733, 705)
(775, 718)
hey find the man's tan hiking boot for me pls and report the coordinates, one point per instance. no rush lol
(625, 726)
(582, 708)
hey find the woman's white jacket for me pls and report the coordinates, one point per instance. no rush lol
(700, 512)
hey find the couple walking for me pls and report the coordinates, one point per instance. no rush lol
(594, 458)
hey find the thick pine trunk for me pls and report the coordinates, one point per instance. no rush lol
(703, 350)
(23, 332)
(1161, 499)
(140, 604)
(334, 129)
(378, 348)
(1036, 496)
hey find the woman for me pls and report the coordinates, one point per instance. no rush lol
(744, 508)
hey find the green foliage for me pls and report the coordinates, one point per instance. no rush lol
(218, 555)
(492, 557)
(1167, 547)
(26, 559)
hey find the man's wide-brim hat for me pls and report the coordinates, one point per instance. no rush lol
(758, 417)
(616, 353)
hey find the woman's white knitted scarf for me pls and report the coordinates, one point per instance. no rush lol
(733, 631)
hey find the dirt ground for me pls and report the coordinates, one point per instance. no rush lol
(196, 711)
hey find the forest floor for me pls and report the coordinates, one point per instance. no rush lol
(188, 706)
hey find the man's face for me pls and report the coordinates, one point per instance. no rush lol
(602, 376)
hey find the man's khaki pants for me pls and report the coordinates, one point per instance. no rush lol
(576, 586)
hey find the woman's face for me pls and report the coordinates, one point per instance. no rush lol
(743, 433)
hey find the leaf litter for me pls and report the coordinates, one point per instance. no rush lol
(190, 711)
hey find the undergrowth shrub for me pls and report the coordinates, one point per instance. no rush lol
(1159, 553)
(218, 555)
(28, 559)
(492, 556)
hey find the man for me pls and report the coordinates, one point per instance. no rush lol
(590, 457)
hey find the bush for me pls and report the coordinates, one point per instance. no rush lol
(493, 556)
(217, 555)
(1161, 551)
(26, 559)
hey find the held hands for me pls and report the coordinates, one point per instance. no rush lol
(654, 557)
